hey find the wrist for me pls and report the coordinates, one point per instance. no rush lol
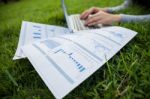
(117, 18)
(104, 9)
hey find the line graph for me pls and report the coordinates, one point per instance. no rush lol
(78, 65)
(99, 47)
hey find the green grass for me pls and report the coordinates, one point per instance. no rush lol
(126, 75)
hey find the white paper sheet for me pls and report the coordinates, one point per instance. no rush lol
(64, 62)
(31, 32)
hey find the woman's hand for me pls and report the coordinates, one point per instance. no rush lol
(101, 17)
(91, 11)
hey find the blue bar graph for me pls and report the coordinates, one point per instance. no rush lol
(82, 69)
(37, 35)
(35, 26)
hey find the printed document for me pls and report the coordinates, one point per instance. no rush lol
(65, 61)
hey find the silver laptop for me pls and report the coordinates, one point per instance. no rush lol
(74, 22)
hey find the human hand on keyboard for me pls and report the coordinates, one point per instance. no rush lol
(102, 18)
(95, 16)
(91, 11)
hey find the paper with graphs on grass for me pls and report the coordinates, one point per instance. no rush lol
(63, 62)
(31, 32)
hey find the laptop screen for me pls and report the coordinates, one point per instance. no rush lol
(65, 12)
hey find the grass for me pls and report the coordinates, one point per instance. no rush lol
(125, 76)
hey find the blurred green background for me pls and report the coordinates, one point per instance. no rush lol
(125, 76)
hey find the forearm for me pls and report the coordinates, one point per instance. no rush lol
(120, 7)
(134, 18)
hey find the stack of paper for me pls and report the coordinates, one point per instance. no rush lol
(63, 59)
(31, 32)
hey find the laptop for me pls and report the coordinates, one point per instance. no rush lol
(74, 22)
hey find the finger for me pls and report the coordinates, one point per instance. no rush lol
(92, 19)
(95, 23)
(86, 13)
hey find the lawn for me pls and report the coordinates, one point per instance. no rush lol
(126, 75)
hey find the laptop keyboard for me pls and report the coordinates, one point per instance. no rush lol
(79, 24)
